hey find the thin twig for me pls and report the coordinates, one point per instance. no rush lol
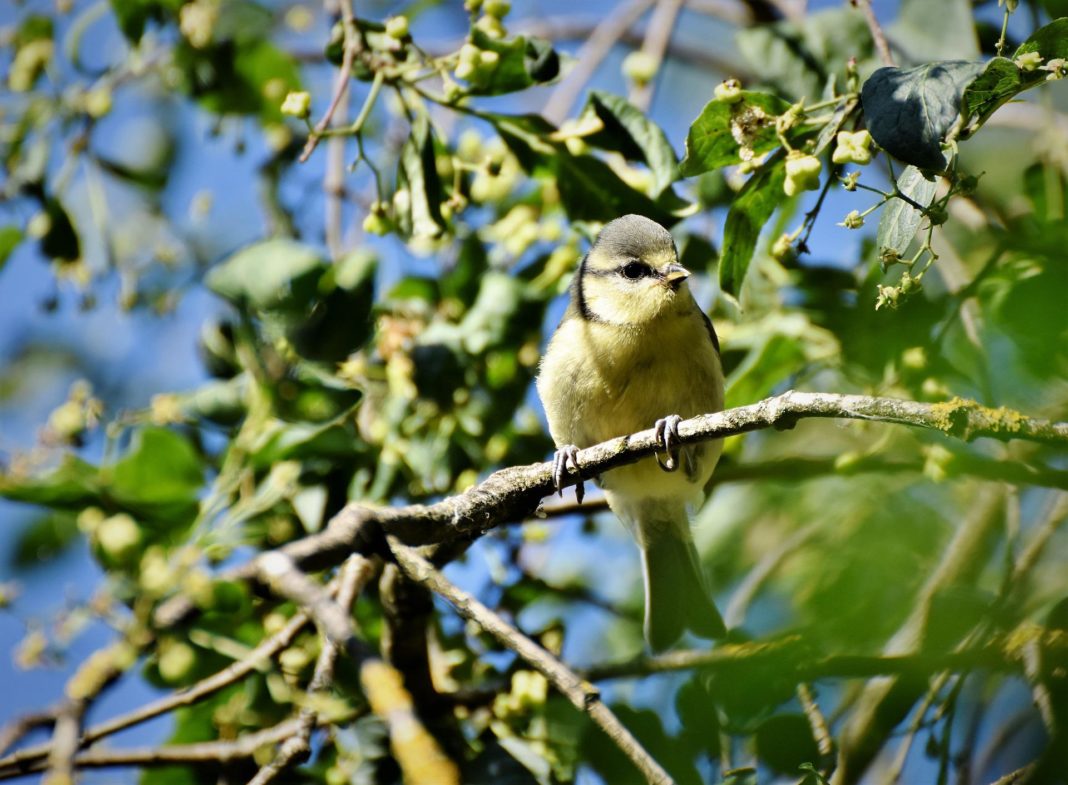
(818, 723)
(657, 38)
(512, 494)
(877, 34)
(341, 83)
(355, 574)
(583, 695)
(169, 754)
(589, 57)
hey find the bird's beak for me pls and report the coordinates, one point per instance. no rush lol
(675, 274)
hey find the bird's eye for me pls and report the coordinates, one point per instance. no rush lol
(634, 270)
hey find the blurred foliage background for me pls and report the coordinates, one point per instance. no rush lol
(224, 318)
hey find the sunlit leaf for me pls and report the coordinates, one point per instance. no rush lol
(723, 131)
(755, 203)
(900, 220)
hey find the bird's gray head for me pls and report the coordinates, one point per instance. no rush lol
(631, 275)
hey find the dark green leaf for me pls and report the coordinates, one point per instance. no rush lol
(999, 82)
(1050, 41)
(74, 483)
(750, 211)
(1002, 79)
(10, 237)
(720, 133)
(34, 27)
(522, 62)
(339, 321)
(267, 275)
(605, 757)
(418, 173)
(61, 241)
(910, 111)
(628, 131)
(133, 15)
(44, 538)
(900, 220)
(589, 189)
(161, 474)
(784, 742)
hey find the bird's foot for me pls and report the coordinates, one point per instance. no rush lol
(561, 458)
(667, 438)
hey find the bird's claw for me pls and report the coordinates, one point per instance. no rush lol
(666, 432)
(567, 454)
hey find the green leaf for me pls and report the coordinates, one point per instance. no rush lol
(160, 474)
(910, 111)
(417, 172)
(589, 189)
(720, 133)
(133, 15)
(774, 359)
(998, 83)
(628, 131)
(10, 237)
(900, 220)
(935, 31)
(1050, 41)
(61, 241)
(798, 58)
(271, 275)
(44, 538)
(522, 62)
(73, 484)
(750, 211)
(784, 742)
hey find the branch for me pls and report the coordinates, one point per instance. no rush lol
(355, 574)
(583, 695)
(657, 39)
(341, 83)
(877, 34)
(513, 494)
(418, 754)
(169, 754)
(589, 57)
(794, 660)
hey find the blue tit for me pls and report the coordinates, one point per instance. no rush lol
(635, 350)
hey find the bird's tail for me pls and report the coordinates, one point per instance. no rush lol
(676, 598)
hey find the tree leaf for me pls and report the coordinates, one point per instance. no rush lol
(44, 538)
(73, 484)
(750, 211)
(265, 276)
(1050, 41)
(628, 131)
(589, 189)
(61, 241)
(722, 131)
(522, 62)
(909, 111)
(418, 173)
(900, 220)
(160, 475)
(10, 237)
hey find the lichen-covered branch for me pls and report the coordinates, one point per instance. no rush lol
(513, 494)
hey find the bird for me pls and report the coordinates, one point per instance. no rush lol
(634, 349)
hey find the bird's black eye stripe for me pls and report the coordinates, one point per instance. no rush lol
(635, 270)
